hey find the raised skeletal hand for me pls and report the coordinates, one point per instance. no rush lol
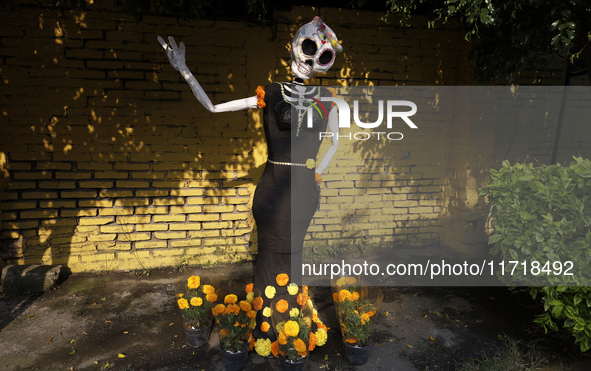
(175, 54)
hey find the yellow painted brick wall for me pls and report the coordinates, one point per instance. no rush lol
(108, 162)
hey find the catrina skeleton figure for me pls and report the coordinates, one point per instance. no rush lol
(287, 195)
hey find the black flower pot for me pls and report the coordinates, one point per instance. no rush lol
(299, 365)
(197, 336)
(234, 361)
(356, 355)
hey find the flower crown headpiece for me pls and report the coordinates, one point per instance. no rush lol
(327, 35)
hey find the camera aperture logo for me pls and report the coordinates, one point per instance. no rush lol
(344, 117)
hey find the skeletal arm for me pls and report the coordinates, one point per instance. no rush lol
(333, 128)
(176, 55)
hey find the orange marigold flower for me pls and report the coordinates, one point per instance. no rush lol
(314, 318)
(344, 295)
(305, 289)
(183, 303)
(260, 91)
(224, 332)
(354, 296)
(275, 348)
(236, 324)
(265, 326)
(335, 297)
(351, 340)
(282, 339)
(249, 288)
(193, 282)
(196, 302)
(291, 328)
(282, 306)
(218, 309)
(258, 303)
(232, 309)
(313, 341)
(251, 314)
(365, 316)
(282, 279)
(299, 345)
(211, 297)
(251, 345)
(302, 298)
(321, 325)
(245, 306)
(371, 313)
(208, 289)
(230, 299)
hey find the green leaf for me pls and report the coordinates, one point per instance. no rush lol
(494, 238)
(513, 254)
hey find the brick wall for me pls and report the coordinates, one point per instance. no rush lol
(108, 162)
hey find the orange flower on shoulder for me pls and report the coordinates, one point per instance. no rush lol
(249, 288)
(282, 279)
(275, 349)
(282, 306)
(265, 326)
(258, 303)
(260, 91)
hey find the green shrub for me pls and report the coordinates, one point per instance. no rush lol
(543, 214)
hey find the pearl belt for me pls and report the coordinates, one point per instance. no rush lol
(310, 163)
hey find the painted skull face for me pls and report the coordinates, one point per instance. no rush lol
(313, 49)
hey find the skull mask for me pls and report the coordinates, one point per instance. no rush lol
(313, 49)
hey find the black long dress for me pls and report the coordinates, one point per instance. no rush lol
(286, 197)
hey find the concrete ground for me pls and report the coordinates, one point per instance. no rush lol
(88, 320)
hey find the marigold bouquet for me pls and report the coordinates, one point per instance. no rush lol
(195, 300)
(356, 307)
(295, 320)
(236, 316)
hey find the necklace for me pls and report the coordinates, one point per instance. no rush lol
(301, 110)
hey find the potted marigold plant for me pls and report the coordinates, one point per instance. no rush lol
(195, 300)
(297, 325)
(236, 318)
(356, 307)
